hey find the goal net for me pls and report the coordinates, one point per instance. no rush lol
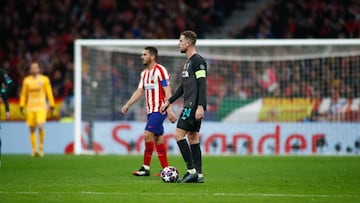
(247, 81)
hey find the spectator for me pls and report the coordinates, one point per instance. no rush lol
(337, 107)
(45, 30)
(305, 19)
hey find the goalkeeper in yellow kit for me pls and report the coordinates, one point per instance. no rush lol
(35, 89)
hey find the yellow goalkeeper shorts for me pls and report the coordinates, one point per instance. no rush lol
(34, 118)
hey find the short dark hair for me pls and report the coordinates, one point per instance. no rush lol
(152, 50)
(190, 35)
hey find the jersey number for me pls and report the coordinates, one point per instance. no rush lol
(186, 113)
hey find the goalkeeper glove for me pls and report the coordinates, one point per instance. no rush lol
(21, 110)
(52, 111)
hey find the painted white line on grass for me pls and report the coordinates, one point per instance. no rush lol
(188, 194)
(287, 195)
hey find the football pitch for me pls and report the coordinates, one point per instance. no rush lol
(68, 178)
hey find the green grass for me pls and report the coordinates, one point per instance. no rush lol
(60, 178)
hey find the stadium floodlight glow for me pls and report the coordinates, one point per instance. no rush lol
(220, 51)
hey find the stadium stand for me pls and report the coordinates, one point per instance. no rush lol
(45, 31)
(304, 19)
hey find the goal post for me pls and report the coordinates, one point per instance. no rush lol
(98, 93)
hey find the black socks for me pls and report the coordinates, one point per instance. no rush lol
(196, 154)
(186, 153)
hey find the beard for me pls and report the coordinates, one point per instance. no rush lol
(183, 50)
(146, 62)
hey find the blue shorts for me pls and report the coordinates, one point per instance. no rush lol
(155, 123)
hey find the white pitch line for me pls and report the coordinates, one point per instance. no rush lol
(188, 194)
(287, 195)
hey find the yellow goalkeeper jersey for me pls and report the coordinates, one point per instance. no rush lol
(34, 92)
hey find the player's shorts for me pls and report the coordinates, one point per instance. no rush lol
(187, 120)
(33, 118)
(155, 123)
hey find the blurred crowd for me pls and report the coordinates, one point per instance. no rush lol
(304, 19)
(44, 31)
(312, 78)
(332, 83)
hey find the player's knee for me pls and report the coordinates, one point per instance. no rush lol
(178, 136)
(147, 139)
(193, 141)
(158, 140)
(32, 129)
(193, 138)
(148, 136)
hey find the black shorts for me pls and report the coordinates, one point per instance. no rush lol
(187, 120)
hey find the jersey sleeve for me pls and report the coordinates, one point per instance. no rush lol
(3, 92)
(24, 93)
(200, 75)
(200, 70)
(164, 76)
(7, 85)
(141, 82)
(49, 93)
(179, 91)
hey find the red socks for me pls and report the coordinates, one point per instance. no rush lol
(161, 151)
(149, 148)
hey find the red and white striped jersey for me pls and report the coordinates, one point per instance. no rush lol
(153, 81)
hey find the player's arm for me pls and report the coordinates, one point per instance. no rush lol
(49, 94)
(5, 79)
(167, 91)
(174, 97)
(23, 95)
(177, 94)
(134, 98)
(9, 83)
(171, 115)
(200, 75)
(4, 97)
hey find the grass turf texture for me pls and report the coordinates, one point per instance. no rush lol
(60, 178)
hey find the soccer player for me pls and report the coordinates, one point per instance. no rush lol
(193, 88)
(154, 83)
(6, 85)
(36, 89)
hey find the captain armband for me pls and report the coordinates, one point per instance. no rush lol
(200, 74)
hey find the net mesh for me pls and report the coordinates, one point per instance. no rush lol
(237, 76)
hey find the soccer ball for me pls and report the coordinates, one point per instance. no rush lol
(169, 174)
